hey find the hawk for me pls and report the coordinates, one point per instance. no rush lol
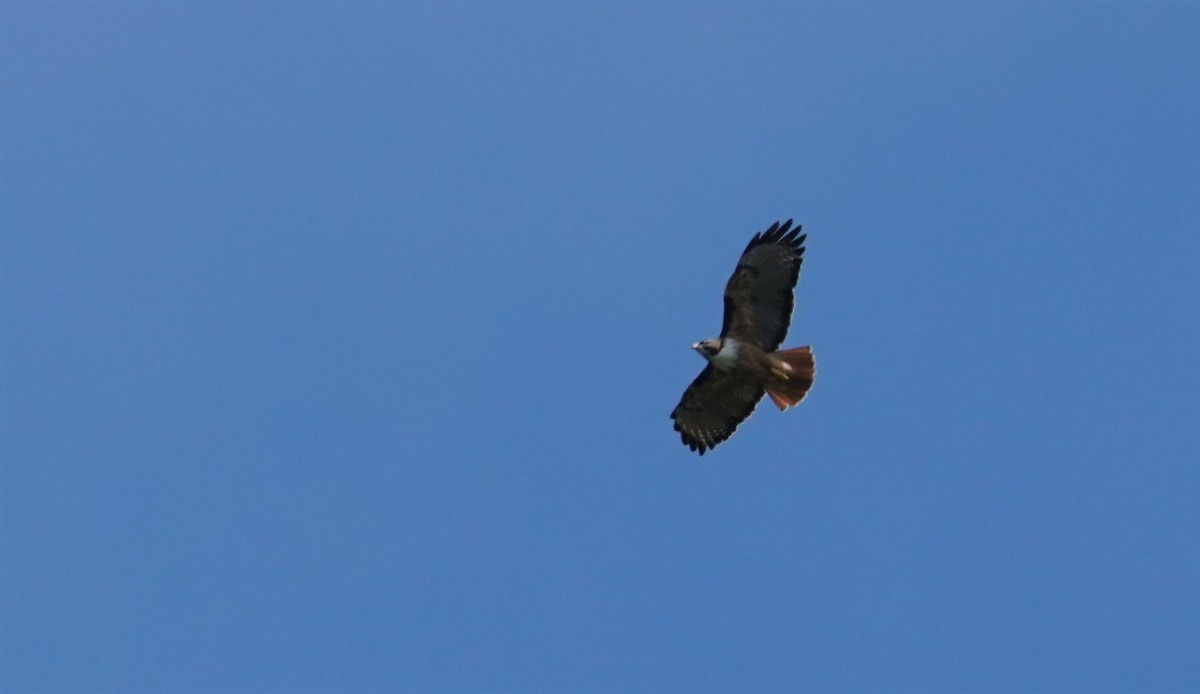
(743, 363)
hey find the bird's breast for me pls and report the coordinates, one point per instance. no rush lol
(726, 358)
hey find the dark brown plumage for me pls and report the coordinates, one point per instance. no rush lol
(743, 363)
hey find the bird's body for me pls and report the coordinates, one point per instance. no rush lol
(729, 355)
(743, 362)
(722, 354)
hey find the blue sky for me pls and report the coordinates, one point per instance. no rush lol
(339, 341)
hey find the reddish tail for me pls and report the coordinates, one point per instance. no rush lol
(787, 393)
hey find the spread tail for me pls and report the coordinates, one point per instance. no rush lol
(788, 392)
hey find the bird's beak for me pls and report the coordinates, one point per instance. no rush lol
(696, 346)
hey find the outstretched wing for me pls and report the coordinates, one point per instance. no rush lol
(758, 297)
(713, 407)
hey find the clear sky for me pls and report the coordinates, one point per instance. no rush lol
(338, 343)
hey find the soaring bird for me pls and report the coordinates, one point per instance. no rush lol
(743, 363)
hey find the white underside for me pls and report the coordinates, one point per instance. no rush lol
(726, 358)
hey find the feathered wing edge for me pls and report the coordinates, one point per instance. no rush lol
(778, 234)
(708, 397)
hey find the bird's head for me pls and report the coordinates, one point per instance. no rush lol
(708, 348)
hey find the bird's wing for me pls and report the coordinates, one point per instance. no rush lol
(713, 407)
(758, 297)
